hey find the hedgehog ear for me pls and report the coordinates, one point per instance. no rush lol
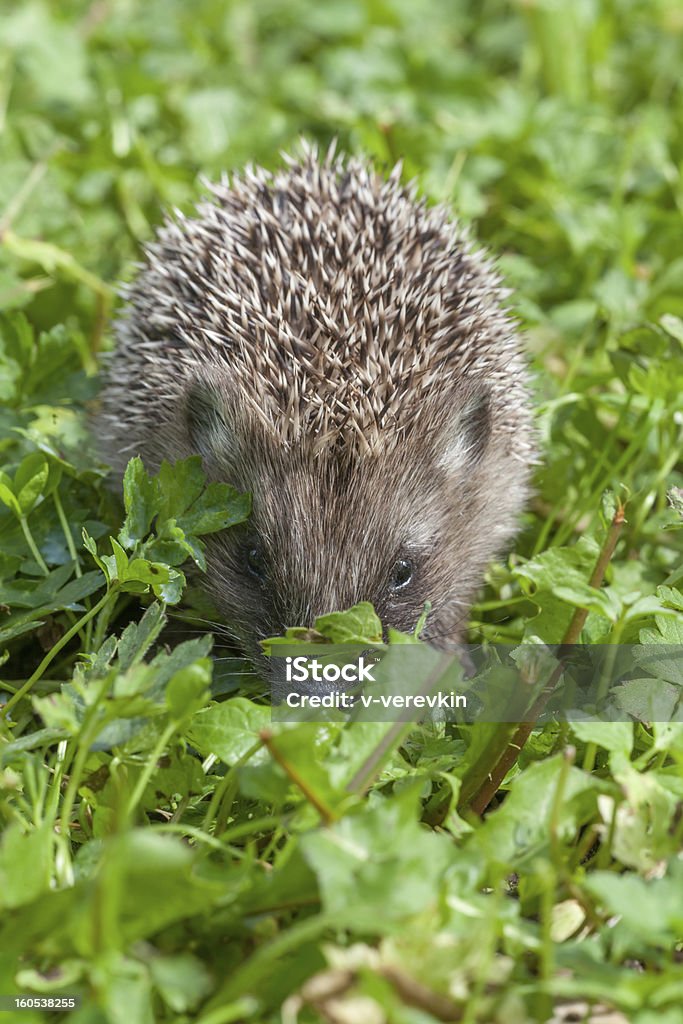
(208, 427)
(466, 437)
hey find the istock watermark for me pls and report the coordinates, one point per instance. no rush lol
(495, 683)
(304, 669)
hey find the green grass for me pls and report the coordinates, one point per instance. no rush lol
(165, 886)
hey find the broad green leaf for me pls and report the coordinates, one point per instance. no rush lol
(218, 508)
(359, 860)
(230, 730)
(519, 830)
(673, 325)
(25, 864)
(609, 735)
(651, 909)
(180, 485)
(30, 481)
(359, 624)
(182, 981)
(7, 496)
(669, 630)
(166, 664)
(188, 690)
(121, 562)
(141, 500)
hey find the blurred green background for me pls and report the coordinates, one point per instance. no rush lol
(554, 126)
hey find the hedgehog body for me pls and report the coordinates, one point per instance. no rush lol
(329, 343)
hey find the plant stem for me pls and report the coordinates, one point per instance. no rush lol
(54, 261)
(67, 532)
(33, 546)
(223, 785)
(150, 766)
(502, 765)
(248, 828)
(102, 623)
(321, 807)
(81, 743)
(54, 651)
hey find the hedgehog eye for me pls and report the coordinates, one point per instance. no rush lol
(256, 563)
(401, 574)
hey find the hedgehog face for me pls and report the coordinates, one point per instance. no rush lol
(330, 527)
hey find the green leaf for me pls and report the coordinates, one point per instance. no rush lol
(77, 589)
(609, 735)
(166, 664)
(121, 562)
(90, 546)
(359, 860)
(519, 830)
(10, 632)
(180, 485)
(218, 508)
(359, 624)
(671, 596)
(229, 730)
(182, 981)
(158, 883)
(128, 995)
(669, 630)
(673, 325)
(53, 260)
(557, 581)
(660, 662)
(25, 864)
(648, 700)
(188, 690)
(30, 481)
(14, 750)
(571, 565)
(141, 499)
(138, 637)
(305, 749)
(59, 711)
(179, 508)
(675, 496)
(7, 496)
(171, 590)
(651, 909)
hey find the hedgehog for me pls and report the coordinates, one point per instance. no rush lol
(329, 342)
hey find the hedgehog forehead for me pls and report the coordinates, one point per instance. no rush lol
(346, 512)
(337, 303)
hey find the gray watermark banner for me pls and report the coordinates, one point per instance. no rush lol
(491, 683)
